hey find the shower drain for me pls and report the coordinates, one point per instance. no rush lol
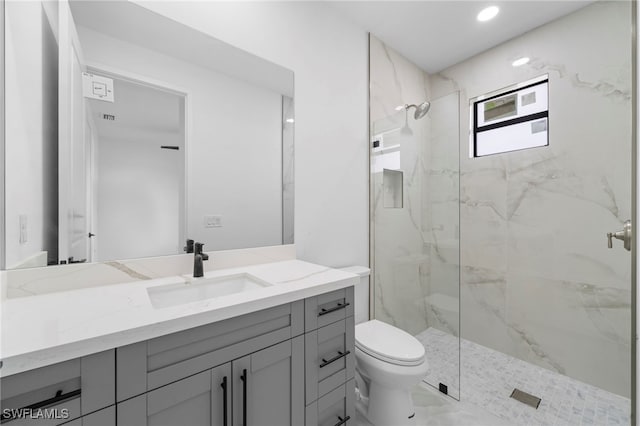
(526, 398)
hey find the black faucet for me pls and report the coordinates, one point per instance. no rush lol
(198, 257)
(189, 247)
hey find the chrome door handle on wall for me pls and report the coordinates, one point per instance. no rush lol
(624, 235)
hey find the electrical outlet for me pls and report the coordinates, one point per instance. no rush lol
(23, 229)
(212, 221)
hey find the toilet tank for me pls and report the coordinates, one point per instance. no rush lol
(361, 292)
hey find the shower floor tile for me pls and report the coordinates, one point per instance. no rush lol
(434, 409)
(488, 377)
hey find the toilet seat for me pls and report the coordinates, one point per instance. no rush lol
(388, 343)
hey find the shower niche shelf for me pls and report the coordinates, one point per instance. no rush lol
(392, 188)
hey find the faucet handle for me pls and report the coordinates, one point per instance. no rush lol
(198, 248)
(624, 235)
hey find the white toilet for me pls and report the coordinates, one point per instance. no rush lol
(389, 363)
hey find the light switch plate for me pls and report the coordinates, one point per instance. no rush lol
(212, 221)
(23, 229)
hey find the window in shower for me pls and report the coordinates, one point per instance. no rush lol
(513, 119)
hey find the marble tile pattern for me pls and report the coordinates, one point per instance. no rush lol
(537, 280)
(34, 281)
(487, 378)
(416, 254)
(434, 409)
(402, 252)
(75, 323)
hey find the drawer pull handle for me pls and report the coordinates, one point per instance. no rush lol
(342, 421)
(60, 397)
(335, 358)
(225, 420)
(325, 311)
(244, 397)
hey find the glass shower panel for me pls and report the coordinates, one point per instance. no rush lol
(415, 240)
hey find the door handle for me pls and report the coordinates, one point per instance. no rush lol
(342, 420)
(244, 397)
(624, 235)
(223, 385)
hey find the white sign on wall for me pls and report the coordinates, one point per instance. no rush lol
(97, 87)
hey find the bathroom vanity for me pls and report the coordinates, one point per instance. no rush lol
(278, 355)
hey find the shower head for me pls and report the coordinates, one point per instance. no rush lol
(421, 110)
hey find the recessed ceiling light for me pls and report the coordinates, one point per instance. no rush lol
(520, 61)
(290, 120)
(488, 13)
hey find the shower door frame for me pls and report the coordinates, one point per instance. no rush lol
(635, 17)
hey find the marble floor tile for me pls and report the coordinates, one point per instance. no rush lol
(487, 378)
(434, 409)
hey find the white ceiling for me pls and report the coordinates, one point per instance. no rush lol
(135, 23)
(437, 34)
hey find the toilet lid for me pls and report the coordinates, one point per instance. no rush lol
(388, 343)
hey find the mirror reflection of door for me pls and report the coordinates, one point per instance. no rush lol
(73, 231)
(121, 164)
(140, 169)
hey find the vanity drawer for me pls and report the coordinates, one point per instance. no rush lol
(66, 390)
(157, 362)
(326, 308)
(329, 358)
(104, 417)
(334, 409)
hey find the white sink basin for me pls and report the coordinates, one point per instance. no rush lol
(196, 289)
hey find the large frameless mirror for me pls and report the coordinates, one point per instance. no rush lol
(128, 133)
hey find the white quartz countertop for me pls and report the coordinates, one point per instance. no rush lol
(49, 328)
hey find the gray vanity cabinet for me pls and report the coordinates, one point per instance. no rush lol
(58, 393)
(336, 408)
(264, 388)
(268, 386)
(289, 365)
(330, 359)
(105, 417)
(203, 399)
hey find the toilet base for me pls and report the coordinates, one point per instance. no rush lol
(390, 407)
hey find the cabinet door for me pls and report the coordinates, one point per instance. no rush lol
(268, 386)
(197, 400)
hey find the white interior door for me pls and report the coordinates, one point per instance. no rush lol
(73, 229)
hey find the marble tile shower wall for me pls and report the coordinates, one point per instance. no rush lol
(537, 279)
(416, 247)
(400, 260)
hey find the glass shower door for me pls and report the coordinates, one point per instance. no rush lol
(415, 233)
